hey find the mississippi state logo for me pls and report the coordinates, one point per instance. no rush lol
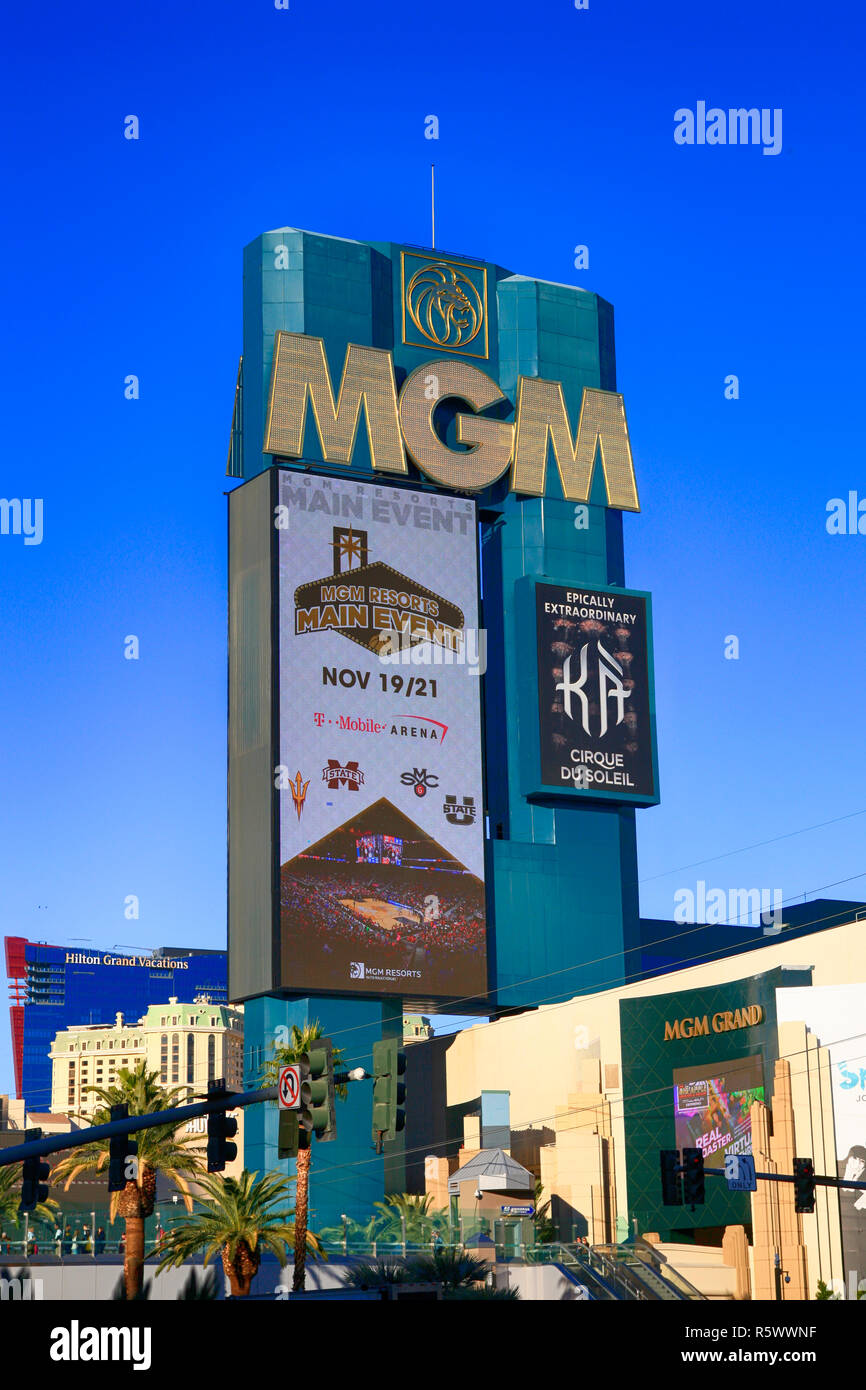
(345, 775)
(443, 304)
(420, 779)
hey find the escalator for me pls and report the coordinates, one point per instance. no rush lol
(646, 1275)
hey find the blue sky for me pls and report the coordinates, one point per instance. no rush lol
(556, 129)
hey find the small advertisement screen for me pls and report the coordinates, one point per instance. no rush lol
(381, 803)
(379, 849)
(712, 1106)
(594, 691)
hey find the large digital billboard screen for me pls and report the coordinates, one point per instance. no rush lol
(381, 821)
(595, 714)
(712, 1106)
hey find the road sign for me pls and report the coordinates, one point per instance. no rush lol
(289, 1088)
(740, 1173)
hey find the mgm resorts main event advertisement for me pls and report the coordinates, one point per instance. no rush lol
(381, 821)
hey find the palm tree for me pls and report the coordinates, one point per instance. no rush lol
(10, 1196)
(453, 1269)
(284, 1055)
(410, 1217)
(542, 1223)
(376, 1274)
(159, 1151)
(243, 1216)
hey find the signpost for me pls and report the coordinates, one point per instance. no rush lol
(740, 1173)
(289, 1088)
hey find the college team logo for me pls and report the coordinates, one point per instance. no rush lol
(460, 812)
(420, 779)
(298, 788)
(347, 775)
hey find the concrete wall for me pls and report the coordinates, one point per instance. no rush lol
(542, 1282)
(88, 1280)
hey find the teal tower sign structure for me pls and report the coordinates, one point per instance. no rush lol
(437, 377)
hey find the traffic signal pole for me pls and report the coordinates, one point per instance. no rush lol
(792, 1177)
(56, 1143)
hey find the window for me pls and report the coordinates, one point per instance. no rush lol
(175, 1056)
(190, 1057)
(211, 1058)
(163, 1058)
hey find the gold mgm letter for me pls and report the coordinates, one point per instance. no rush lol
(300, 374)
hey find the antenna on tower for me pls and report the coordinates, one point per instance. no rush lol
(433, 206)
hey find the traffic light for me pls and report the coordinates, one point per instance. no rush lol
(220, 1131)
(323, 1104)
(804, 1185)
(122, 1166)
(693, 1177)
(389, 1092)
(672, 1186)
(34, 1173)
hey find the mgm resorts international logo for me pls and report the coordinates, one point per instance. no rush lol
(358, 970)
(369, 602)
(444, 303)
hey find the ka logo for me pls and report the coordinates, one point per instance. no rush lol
(445, 303)
(610, 687)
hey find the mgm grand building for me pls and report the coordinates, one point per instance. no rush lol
(761, 1051)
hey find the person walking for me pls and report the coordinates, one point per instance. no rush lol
(99, 1243)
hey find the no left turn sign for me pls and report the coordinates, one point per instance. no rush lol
(289, 1088)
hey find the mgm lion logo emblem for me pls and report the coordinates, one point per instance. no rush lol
(445, 307)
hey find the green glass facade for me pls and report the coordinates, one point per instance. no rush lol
(649, 1061)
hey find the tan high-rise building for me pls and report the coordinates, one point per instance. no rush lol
(187, 1045)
